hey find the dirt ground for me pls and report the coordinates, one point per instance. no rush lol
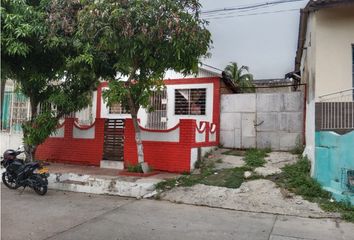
(259, 195)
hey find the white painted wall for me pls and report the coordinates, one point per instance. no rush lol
(84, 133)
(308, 73)
(170, 136)
(172, 119)
(334, 29)
(9, 141)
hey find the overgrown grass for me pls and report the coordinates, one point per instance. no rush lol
(255, 157)
(230, 178)
(299, 147)
(296, 178)
(135, 168)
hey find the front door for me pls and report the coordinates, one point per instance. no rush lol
(113, 148)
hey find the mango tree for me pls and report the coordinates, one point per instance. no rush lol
(40, 52)
(140, 40)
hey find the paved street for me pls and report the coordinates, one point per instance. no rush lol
(66, 215)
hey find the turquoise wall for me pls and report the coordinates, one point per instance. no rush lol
(334, 152)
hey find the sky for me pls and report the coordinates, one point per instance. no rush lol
(265, 42)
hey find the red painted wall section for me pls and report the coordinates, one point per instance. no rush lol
(74, 150)
(164, 156)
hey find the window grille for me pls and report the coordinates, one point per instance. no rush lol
(20, 109)
(15, 111)
(117, 108)
(190, 101)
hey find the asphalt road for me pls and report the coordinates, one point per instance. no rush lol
(77, 216)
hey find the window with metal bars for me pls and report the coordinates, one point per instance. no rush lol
(15, 111)
(117, 108)
(190, 101)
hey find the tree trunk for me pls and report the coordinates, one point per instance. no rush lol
(139, 143)
(30, 150)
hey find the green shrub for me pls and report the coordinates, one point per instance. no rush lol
(135, 168)
(255, 157)
(296, 178)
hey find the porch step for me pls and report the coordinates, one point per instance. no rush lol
(112, 164)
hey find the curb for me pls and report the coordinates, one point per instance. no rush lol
(95, 184)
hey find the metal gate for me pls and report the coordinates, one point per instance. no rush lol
(113, 148)
(157, 119)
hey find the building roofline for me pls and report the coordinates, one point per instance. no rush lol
(312, 5)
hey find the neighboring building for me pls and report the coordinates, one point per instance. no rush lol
(273, 85)
(325, 58)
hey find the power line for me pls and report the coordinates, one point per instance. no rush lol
(246, 7)
(252, 14)
(234, 12)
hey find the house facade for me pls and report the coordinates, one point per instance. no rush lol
(325, 59)
(185, 123)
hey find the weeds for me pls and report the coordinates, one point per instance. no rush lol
(296, 178)
(299, 147)
(135, 168)
(255, 157)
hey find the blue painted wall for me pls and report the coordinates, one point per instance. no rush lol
(334, 152)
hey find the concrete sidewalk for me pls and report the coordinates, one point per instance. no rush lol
(91, 179)
(64, 215)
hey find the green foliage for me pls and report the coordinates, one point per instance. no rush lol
(40, 51)
(255, 157)
(140, 40)
(296, 178)
(299, 147)
(230, 178)
(241, 77)
(135, 168)
(39, 129)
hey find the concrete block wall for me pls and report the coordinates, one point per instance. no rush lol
(261, 120)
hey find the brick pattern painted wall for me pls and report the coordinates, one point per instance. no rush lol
(160, 155)
(74, 150)
(165, 156)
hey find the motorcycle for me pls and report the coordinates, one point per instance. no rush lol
(21, 174)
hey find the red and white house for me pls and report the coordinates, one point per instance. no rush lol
(184, 124)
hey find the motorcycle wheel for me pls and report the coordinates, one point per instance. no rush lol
(41, 190)
(9, 183)
(41, 187)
